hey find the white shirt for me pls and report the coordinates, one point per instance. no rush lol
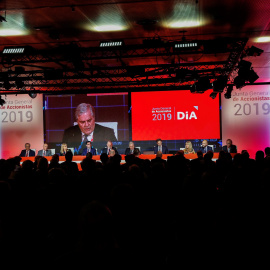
(90, 137)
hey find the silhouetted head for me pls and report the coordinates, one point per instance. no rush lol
(68, 156)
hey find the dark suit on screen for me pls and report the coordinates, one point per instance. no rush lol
(93, 151)
(73, 136)
(31, 153)
(128, 151)
(233, 149)
(105, 150)
(48, 153)
(164, 149)
(206, 149)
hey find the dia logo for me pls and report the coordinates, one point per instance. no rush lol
(187, 115)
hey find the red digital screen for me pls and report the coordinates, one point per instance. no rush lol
(174, 115)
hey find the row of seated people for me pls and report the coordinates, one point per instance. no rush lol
(27, 152)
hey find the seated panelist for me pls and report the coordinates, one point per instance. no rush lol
(89, 149)
(188, 148)
(205, 147)
(107, 149)
(160, 147)
(64, 149)
(130, 149)
(27, 152)
(44, 152)
(229, 147)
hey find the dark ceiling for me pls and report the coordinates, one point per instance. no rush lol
(65, 37)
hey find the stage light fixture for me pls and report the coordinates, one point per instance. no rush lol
(252, 76)
(239, 82)
(201, 85)
(228, 93)
(213, 95)
(254, 51)
(245, 73)
(220, 83)
(32, 95)
(2, 101)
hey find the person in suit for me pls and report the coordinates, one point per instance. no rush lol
(27, 152)
(64, 149)
(107, 149)
(44, 152)
(158, 160)
(87, 129)
(89, 149)
(205, 147)
(229, 147)
(160, 147)
(130, 149)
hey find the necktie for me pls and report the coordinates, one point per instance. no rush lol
(27, 153)
(108, 151)
(44, 154)
(85, 138)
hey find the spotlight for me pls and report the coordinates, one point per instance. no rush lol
(254, 51)
(201, 85)
(228, 93)
(2, 101)
(32, 93)
(213, 95)
(252, 76)
(246, 73)
(220, 84)
(239, 82)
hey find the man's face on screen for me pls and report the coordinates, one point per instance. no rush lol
(86, 122)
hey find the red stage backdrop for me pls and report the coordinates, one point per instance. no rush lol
(21, 121)
(246, 118)
(174, 115)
